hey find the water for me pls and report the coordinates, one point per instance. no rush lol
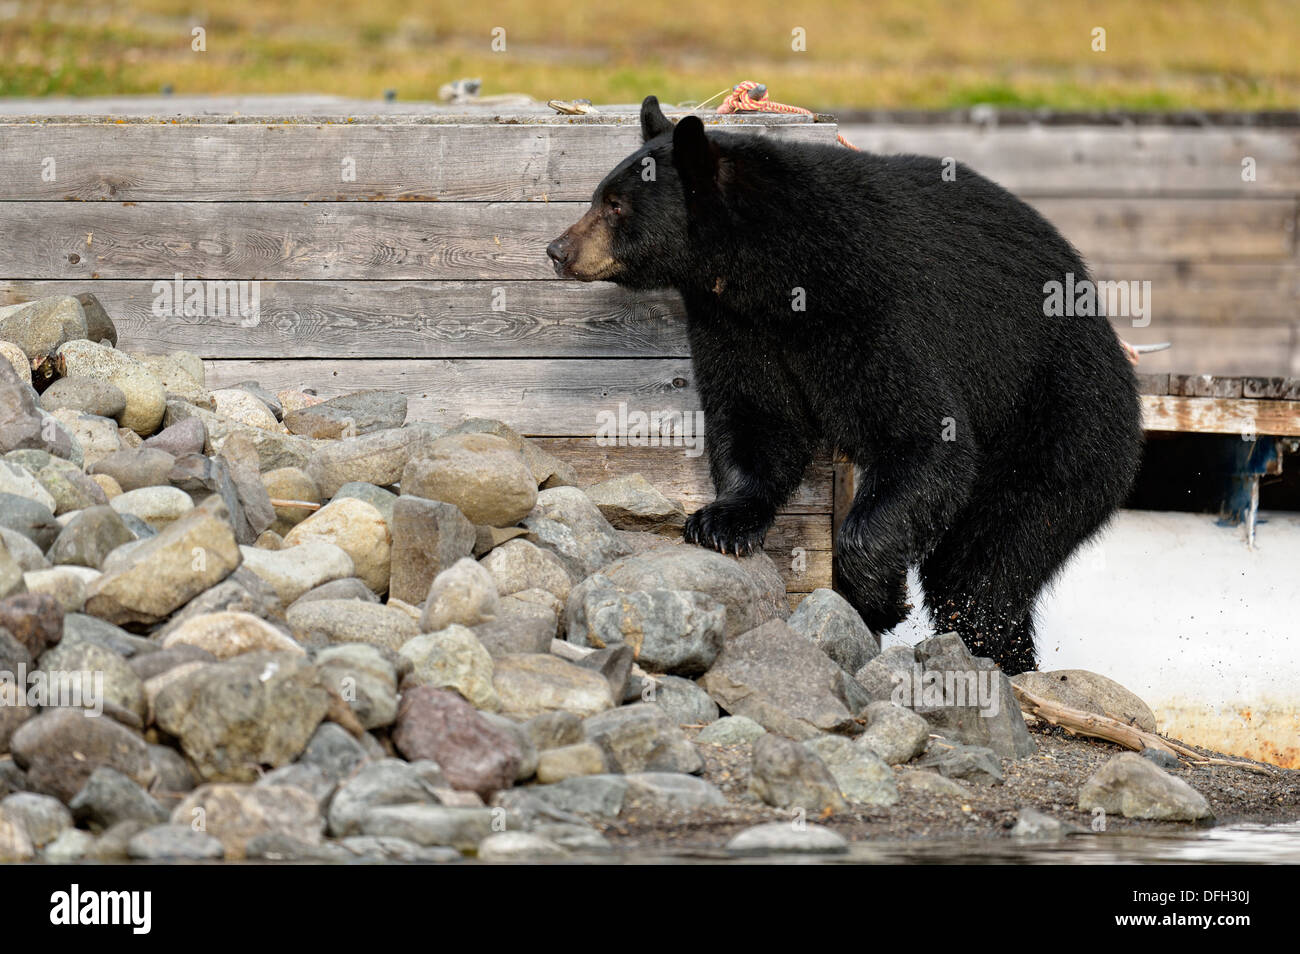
(1232, 844)
(1242, 843)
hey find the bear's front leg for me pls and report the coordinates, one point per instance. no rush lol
(756, 462)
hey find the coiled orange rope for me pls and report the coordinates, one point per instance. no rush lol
(751, 97)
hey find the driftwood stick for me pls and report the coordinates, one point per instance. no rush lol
(1078, 722)
(300, 504)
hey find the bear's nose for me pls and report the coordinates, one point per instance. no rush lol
(559, 251)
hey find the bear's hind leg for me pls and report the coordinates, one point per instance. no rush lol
(897, 512)
(1020, 654)
(984, 577)
(992, 618)
(878, 591)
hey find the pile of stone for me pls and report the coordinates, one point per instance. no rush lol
(236, 623)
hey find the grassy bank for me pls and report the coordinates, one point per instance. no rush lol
(1175, 54)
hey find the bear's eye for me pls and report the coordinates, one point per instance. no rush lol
(615, 206)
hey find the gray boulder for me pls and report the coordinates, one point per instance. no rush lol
(684, 701)
(631, 502)
(784, 838)
(566, 521)
(974, 763)
(785, 774)
(832, 623)
(967, 698)
(679, 632)
(782, 681)
(642, 738)
(863, 777)
(1090, 692)
(234, 717)
(428, 537)
(109, 797)
(895, 734)
(1132, 786)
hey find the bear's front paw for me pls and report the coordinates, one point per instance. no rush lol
(733, 527)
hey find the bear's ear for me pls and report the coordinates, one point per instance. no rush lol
(694, 156)
(653, 121)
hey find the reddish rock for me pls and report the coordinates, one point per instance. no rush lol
(34, 619)
(474, 754)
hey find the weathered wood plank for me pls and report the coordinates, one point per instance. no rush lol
(577, 398)
(322, 162)
(1273, 389)
(1233, 304)
(484, 240)
(280, 240)
(800, 546)
(1215, 349)
(684, 479)
(814, 570)
(1153, 383)
(1030, 160)
(558, 397)
(1171, 230)
(398, 319)
(1206, 415)
(1074, 160)
(1205, 385)
(544, 319)
(1230, 293)
(843, 488)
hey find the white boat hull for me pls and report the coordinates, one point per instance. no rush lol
(1177, 609)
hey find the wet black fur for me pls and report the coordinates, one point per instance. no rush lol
(924, 307)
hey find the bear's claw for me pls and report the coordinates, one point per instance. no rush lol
(730, 528)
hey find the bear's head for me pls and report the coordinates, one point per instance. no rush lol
(636, 232)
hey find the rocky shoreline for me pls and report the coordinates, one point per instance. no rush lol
(237, 624)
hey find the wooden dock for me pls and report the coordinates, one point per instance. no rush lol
(402, 246)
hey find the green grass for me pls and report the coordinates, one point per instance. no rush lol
(1161, 54)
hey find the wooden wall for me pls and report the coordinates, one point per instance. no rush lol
(425, 271)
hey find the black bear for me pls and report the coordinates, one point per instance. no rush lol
(878, 305)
